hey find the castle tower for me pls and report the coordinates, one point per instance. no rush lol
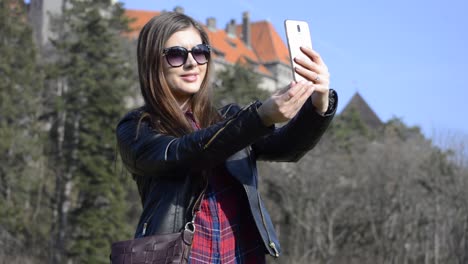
(40, 12)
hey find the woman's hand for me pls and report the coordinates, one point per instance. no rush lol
(314, 69)
(283, 105)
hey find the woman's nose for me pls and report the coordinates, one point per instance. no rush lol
(190, 60)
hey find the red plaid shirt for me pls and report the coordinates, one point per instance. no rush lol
(225, 231)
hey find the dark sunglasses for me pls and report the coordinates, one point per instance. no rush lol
(177, 56)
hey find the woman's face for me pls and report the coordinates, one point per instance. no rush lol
(185, 80)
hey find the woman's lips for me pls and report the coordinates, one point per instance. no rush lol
(190, 77)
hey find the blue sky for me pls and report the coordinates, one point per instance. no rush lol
(408, 59)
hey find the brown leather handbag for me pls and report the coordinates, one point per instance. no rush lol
(156, 249)
(171, 248)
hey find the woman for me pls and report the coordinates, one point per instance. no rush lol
(181, 150)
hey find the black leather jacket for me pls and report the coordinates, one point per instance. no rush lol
(167, 169)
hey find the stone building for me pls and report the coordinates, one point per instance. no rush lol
(256, 44)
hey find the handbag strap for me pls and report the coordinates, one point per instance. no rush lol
(190, 226)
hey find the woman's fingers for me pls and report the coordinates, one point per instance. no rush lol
(313, 55)
(309, 88)
(282, 107)
(313, 76)
(312, 67)
(285, 103)
(307, 64)
(292, 91)
(302, 91)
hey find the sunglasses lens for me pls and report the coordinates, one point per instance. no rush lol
(176, 56)
(201, 53)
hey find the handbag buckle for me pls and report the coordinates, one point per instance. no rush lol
(190, 226)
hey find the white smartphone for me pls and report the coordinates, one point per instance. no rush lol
(298, 35)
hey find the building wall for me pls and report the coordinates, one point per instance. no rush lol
(282, 73)
(40, 12)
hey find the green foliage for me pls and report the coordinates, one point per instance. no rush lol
(397, 128)
(96, 75)
(239, 84)
(21, 174)
(349, 124)
(348, 130)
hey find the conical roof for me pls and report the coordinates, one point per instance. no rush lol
(368, 116)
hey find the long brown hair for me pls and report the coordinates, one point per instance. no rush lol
(160, 105)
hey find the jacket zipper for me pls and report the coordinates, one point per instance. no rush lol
(227, 123)
(271, 244)
(145, 225)
(216, 134)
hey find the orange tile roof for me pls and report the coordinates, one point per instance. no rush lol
(139, 19)
(231, 46)
(267, 45)
(233, 49)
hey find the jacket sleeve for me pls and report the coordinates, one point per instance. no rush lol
(292, 141)
(152, 153)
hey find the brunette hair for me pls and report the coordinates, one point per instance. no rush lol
(160, 105)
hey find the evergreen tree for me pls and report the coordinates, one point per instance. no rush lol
(348, 130)
(397, 128)
(239, 84)
(95, 78)
(21, 174)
